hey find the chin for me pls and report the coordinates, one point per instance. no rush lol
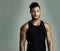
(36, 18)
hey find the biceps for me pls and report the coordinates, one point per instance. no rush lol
(49, 36)
(22, 37)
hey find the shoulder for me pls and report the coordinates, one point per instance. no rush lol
(24, 26)
(47, 25)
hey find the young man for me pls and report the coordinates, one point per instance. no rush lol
(35, 31)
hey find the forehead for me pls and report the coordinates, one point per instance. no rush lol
(36, 8)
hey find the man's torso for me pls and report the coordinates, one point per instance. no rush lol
(36, 37)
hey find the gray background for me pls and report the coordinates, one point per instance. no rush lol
(14, 13)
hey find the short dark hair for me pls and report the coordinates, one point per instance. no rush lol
(34, 4)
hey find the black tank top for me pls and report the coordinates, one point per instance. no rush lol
(36, 37)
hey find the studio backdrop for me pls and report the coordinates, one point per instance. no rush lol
(14, 13)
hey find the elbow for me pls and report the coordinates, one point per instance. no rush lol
(49, 43)
(22, 43)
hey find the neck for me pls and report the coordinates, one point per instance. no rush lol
(38, 20)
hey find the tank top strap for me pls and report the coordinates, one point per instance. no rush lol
(42, 22)
(29, 23)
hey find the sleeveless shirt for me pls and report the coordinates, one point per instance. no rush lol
(36, 37)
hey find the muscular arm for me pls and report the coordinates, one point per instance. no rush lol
(49, 37)
(23, 31)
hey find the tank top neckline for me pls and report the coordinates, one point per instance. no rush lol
(35, 25)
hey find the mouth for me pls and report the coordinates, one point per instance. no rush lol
(36, 16)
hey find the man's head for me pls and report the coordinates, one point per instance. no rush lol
(35, 10)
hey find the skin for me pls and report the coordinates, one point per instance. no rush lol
(35, 14)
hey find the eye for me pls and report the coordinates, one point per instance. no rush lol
(37, 10)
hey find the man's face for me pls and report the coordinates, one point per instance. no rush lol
(35, 13)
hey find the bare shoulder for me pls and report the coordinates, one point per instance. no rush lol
(47, 25)
(24, 27)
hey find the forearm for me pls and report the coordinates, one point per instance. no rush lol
(22, 47)
(50, 47)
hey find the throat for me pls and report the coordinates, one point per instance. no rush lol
(36, 22)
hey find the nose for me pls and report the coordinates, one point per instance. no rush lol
(35, 13)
